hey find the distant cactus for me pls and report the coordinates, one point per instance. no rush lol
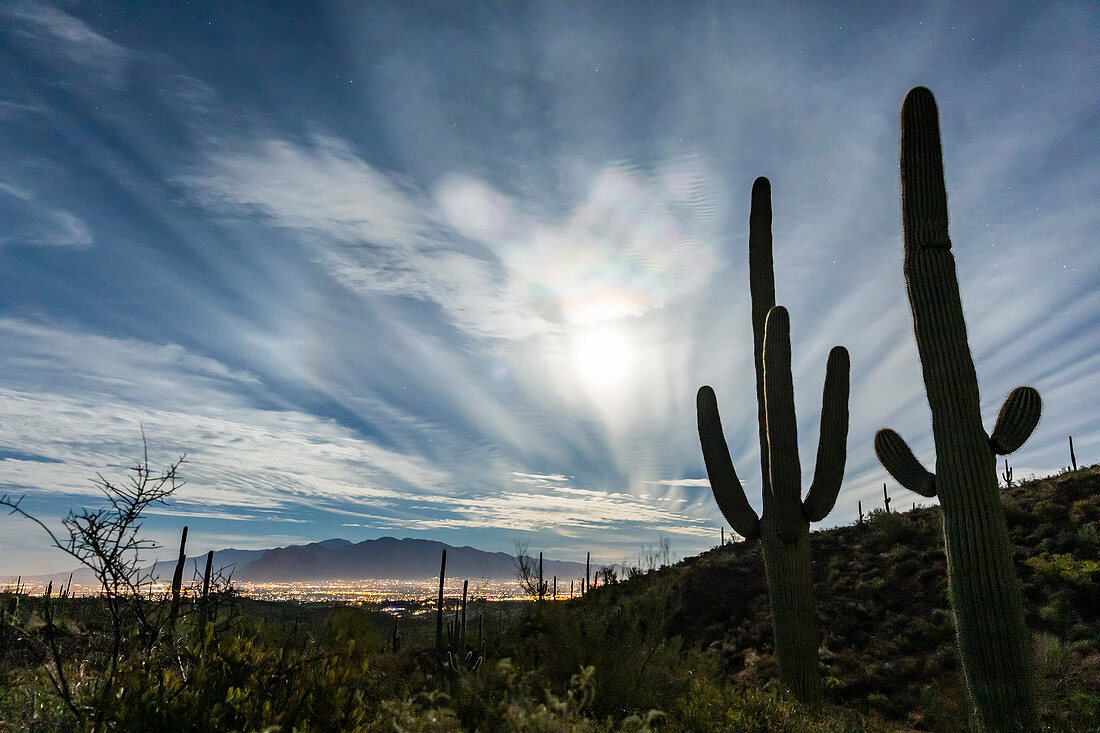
(439, 605)
(206, 575)
(204, 609)
(542, 584)
(985, 593)
(587, 572)
(177, 580)
(1072, 458)
(886, 498)
(1007, 475)
(783, 527)
(465, 589)
(860, 503)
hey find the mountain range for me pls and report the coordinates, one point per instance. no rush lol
(339, 559)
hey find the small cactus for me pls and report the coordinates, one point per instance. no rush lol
(1007, 475)
(177, 580)
(206, 575)
(204, 610)
(587, 572)
(1072, 458)
(985, 593)
(783, 528)
(439, 604)
(886, 498)
(542, 583)
(465, 588)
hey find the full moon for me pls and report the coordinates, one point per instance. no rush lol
(603, 355)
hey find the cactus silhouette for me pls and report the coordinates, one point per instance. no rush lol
(177, 581)
(783, 527)
(439, 603)
(985, 593)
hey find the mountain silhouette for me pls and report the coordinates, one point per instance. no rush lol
(388, 557)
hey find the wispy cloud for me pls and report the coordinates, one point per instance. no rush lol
(36, 224)
(639, 239)
(60, 37)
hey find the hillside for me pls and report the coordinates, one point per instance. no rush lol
(887, 633)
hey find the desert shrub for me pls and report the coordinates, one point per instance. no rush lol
(639, 666)
(893, 527)
(711, 704)
(1066, 568)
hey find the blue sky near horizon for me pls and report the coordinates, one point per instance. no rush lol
(455, 271)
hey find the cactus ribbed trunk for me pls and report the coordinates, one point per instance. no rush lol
(985, 593)
(788, 571)
(762, 300)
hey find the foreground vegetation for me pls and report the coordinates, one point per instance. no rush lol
(686, 647)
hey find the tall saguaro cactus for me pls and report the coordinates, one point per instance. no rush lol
(985, 593)
(784, 526)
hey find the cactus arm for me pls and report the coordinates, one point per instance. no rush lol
(727, 489)
(786, 472)
(1017, 419)
(832, 443)
(898, 460)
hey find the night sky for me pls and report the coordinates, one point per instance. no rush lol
(456, 271)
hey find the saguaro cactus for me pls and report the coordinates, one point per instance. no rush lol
(439, 604)
(465, 589)
(985, 592)
(204, 608)
(177, 580)
(783, 527)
